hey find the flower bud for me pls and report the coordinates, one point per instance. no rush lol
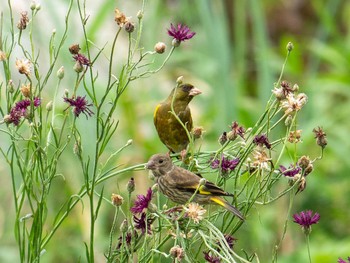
(38, 7)
(66, 93)
(32, 5)
(290, 46)
(60, 72)
(154, 188)
(179, 80)
(175, 42)
(295, 88)
(131, 185)
(117, 200)
(223, 138)
(129, 142)
(124, 226)
(202, 181)
(288, 120)
(160, 47)
(152, 208)
(231, 135)
(10, 87)
(139, 14)
(78, 67)
(49, 105)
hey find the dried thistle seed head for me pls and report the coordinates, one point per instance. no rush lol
(223, 138)
(129, 27)
(23, 22)
(321, 137)
(3, 56)
(197, 132)
(308, 169)
(25, 90)
(120, 18)
(177, 252)
(304, 161)
(74, 49)
(117, 200)
(23, 66)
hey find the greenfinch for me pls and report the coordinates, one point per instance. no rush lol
(170, 130)
(180, 185)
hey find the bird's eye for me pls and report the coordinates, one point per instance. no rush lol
(160, 161)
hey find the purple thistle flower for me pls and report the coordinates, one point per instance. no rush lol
(306, 219)
(142, 202)
(230, 240)
(261, 140)
(226, 165)
(128, 237)
(291, 171)
(211, 259)
(80, 105)
(82, 59)
(143, 224)
(180, 32)
(20, 110)
(340, 260)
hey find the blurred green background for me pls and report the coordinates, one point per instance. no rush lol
(235, 58)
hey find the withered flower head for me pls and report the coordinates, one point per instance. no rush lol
(321, 137)
(195, 212)
(177, 252)
(117, 200)
(3, 55)
(74, 49)
(295, 136)
(294, 104)
(25, 90)
(120, 18)
(23, 21)
(304, 161)
(261, 160)
(197, 132)
(23, 66)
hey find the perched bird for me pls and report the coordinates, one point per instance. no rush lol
(170, 131)
(180, 184)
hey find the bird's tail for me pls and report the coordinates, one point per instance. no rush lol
(229, 207)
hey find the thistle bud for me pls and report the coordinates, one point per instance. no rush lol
(139, 14)
(160, 47)
(66, 93)
(321, 137)
(295, 88)
(60, 72)
(49, 105)
(175, 42)
(288, 121)
(131, 185)
(154, 188)
(152, 208)
(290, 46)
(32, 5)
(10, 87)
(78, 67)
(180, 80)
(202, 181)
(231, 135)
(223, 138)
(124, 226)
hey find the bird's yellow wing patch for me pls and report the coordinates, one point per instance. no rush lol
(219, 201)
(202, 191)
(156, 110)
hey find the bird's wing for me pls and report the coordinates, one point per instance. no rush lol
(189, 181)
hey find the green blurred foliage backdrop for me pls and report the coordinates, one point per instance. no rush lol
(235, 58)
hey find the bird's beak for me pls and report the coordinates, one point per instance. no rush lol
(149, 165)
(194, 92)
